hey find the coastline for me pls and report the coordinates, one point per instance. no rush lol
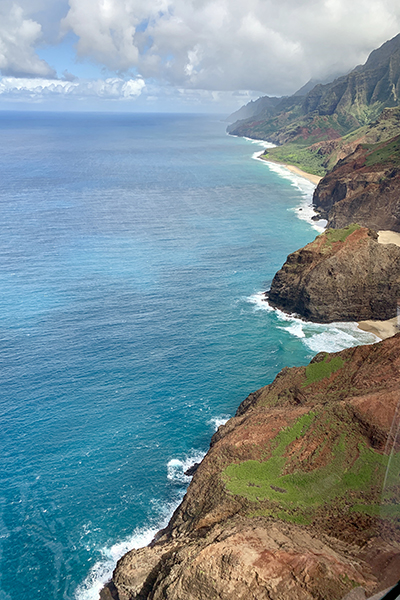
(382, 329)
(315, 179)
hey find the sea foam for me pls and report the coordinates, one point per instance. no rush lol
(177, 467)
(304, 210)
(101, 572)
(218, 421)
(317, 337)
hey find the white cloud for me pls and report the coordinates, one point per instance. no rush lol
(18, 37)
(272, 45)
(41, 89)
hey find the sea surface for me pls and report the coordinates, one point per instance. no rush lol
(134, 250)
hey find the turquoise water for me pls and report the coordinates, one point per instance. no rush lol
(133, 250)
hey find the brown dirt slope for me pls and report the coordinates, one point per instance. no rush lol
(289, 502)
(363, 188)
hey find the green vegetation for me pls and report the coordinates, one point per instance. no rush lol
(384, 153)
(298, 517)
(320, 370)
(304, 158)
(354, 468)
(340, 235)
(300, 151)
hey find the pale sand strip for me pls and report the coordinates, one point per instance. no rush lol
(389, 237)
(313, 178)
(383, 329)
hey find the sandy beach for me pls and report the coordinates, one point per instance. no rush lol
(313, 178)
(383, 329)
(389, 237)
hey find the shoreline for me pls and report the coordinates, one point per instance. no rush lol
(315, 179)
(382, 329)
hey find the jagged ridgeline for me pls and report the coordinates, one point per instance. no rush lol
(303, 124)
(297, 498)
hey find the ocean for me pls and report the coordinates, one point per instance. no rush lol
(134, 250)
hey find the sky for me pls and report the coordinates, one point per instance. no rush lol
(179, 55)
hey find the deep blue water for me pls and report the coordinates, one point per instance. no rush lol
(132, 251)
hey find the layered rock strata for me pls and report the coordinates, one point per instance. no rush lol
(363, 188)
(343, 275)
(289, 502)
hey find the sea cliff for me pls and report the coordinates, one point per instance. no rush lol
(343, 275)
(363, 188)
(294, 500)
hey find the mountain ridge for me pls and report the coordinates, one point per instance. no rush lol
(330, 111)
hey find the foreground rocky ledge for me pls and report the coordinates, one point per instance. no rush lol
(288, 503)
(343, 275)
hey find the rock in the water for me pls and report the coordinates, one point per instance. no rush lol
(192, 470)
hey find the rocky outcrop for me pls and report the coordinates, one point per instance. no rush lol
(288, 503)
(343, 275)
(363, 188)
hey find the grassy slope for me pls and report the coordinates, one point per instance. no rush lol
(294, 154)
(297, 494)
(283, 485)
(305, 152)
(387, 153)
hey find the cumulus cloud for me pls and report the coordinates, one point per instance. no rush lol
(40, 88)
(18, 37)
(270, 45)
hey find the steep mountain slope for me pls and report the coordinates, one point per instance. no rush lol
(320, 157)
(364, 187)
(264, 105)
(288, 502)
(386, 127)
(328, 112)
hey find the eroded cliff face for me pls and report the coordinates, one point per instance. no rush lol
(363, 188)
(288, 502)
(343, 275)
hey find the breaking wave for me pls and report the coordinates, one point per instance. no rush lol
(317, 337)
